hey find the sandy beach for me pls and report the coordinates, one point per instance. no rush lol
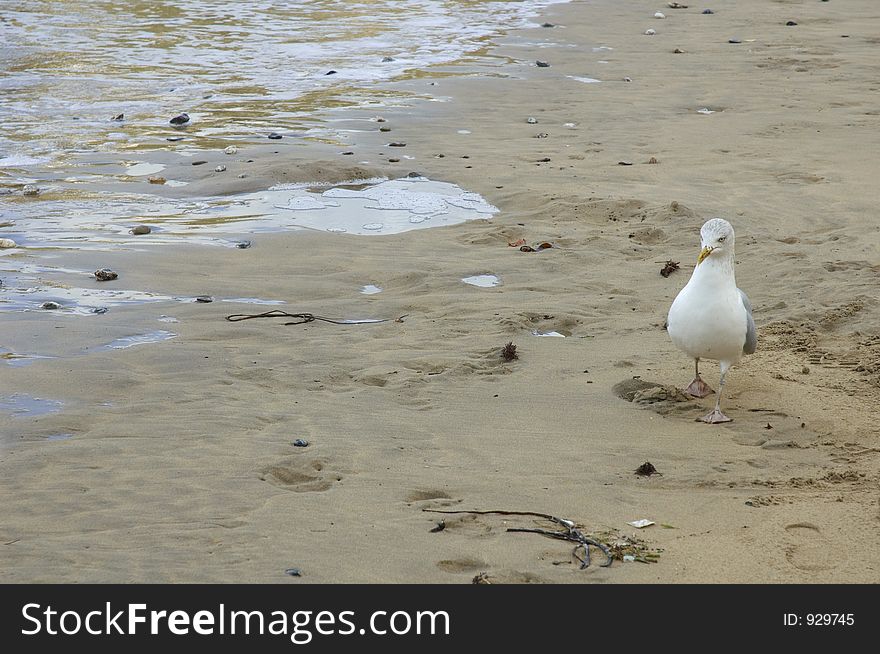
(181, 465)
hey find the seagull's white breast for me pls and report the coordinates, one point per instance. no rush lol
(708, 320)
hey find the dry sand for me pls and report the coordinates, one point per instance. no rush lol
(189, 473)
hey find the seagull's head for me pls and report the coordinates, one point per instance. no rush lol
(717, 238)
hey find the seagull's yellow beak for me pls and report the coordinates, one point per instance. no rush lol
(705, 252)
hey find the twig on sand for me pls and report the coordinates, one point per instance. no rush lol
(568, 533)
(302, 318)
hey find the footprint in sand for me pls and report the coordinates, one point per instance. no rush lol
(301, 476)
(807, 547)
(464, 564)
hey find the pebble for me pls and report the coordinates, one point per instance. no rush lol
(385, 60)
(50, 306)
(330, 72)
(6, 243)
(542, 64)
(180, 119)
(242, 176)
(174, 139)
(293, 572)
(118, 117)
(379, 119)
(243, 245)
(659, 14)
(392, 160)
(141, 229)
(650, 32)
(348, 152)
(790, 23)
(678, 51)
(30, 189)
(199, 162)
(105, 275)
(396, 144)
(627, 79)
(274, 136)
(230, 150)
(220, 169)
(624, 163)
(156, 180)
(100, 310)
(708, 11)
(734, 40)
(384, 128)
(542, 135)
(300, 442)
(204, 299)
(531, 120)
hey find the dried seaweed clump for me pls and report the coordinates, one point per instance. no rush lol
(508, 352)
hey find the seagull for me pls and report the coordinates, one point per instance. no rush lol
(711, 318)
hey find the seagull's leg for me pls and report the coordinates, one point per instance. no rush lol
(698, 388)
(716, 416)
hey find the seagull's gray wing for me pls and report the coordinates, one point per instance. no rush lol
(751, 343)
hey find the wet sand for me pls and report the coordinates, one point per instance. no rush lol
(181, 466)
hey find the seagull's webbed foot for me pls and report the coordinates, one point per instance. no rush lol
(714, 418)
(698, 388)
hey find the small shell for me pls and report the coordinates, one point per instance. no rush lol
(650, 32)
(659, 14)
(230, 150)
(6, 243)
(50, 306)
(219, 169)
(30, 189)
(531, 120)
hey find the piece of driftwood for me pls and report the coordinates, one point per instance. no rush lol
(568, 532)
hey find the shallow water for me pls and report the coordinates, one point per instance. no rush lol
(20, 405)
(83, 79)
(239, 69)
(126, 342)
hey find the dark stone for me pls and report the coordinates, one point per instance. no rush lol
(180, 119)
(174, 139)
(396, 144)
(300, 442)
(330, 72)
(118, 117)
(199, 163)
(734, 40)
(243, 245)
(790, 23)
(708, 11)
(274, 136)
(293, 572)
(542, 64)
(204, 299)
(105, 275)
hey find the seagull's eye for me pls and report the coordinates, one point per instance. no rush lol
(721, 239)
